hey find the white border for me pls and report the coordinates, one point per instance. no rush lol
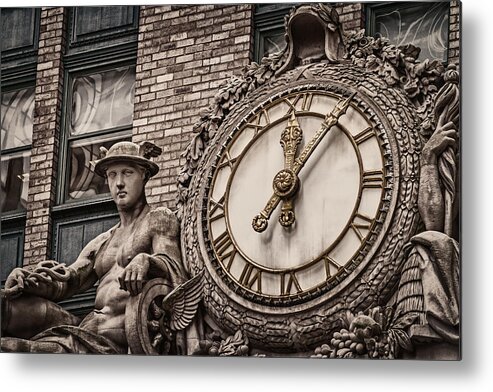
(41, 373)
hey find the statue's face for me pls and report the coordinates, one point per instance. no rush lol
(126, 182)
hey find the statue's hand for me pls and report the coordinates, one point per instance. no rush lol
(16, 282)
(133, 276)
(445, 136)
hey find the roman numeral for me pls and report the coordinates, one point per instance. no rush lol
(222, 245)
(286, 288)
(227, 161)
(292, 103)
(365, 225)
(364, 135)
(373, 179)
(250, 276)
(214, 207)
(329, 261)
(257, 121)
(306, 102)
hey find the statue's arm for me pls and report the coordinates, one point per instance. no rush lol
(55, 281)
(164, 259)
(430, 198)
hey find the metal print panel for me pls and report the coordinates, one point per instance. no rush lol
(306, 205)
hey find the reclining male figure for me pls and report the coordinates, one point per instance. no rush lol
(142, 246)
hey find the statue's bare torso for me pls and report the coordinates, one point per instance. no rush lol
(110, 256)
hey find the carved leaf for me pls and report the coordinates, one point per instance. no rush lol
(183, 301)
(402, 339)
(405, 321)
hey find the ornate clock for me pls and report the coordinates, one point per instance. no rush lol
(300, 190)
(295, 199)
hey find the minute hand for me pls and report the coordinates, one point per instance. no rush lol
(330, 120)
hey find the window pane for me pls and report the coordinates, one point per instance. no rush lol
(15, 180)
(102, 100)
(17, 118)
(92, 19)
(12, 246)
(17, 26)
(84, 182)
(73, 236)
(424, 25)
(272, 42)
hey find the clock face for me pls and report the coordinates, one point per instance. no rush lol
(334, 208)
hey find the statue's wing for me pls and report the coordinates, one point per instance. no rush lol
(182, 303)
(149, 150)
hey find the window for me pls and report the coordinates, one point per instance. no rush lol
(19, 32)
(424, 25)
(99, 114)
(269, 28)
(100, 27)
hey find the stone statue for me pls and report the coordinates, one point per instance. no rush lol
(142, 246)
(433, 255)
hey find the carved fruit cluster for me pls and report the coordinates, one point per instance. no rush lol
(375, 335)
(215, 345)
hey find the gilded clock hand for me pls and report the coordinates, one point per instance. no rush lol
(330, 120)
(290, 140)
(260, 221)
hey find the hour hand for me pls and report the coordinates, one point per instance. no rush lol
(286, 180)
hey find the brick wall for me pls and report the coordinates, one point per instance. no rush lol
(184, 54)
(351, 16)
(454, 32)
(46, 129)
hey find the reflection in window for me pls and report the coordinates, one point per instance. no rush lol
(269, 28)
(102, 100)
(14, 180)
(272, 42)
(101, 115)
(424, 25)
(84, 182)
(16, 132)
(17, 118)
